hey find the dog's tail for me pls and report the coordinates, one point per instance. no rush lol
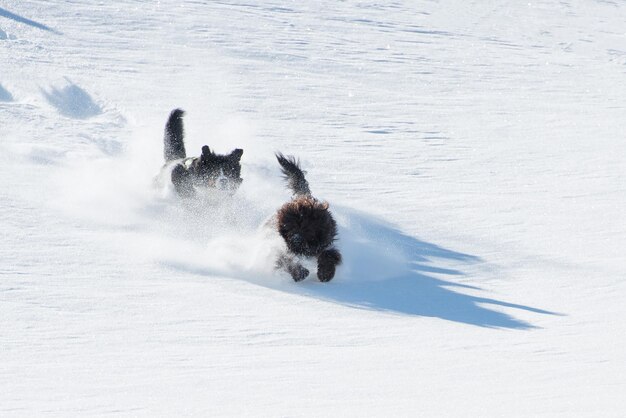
(294, 175)
(173, 144)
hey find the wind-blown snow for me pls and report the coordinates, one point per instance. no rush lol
(472, 153)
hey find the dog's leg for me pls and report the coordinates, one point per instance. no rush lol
(327, 261)
(297, 271)
(181, 179)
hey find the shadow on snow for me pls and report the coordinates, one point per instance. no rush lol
(72, 101)
(20, 19)
(387, 270)
(5, 95)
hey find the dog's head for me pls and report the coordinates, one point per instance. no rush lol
(221, 172)
(306, 225)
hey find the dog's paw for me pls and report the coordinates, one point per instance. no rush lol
(325, 272)
(298, 272)
(326, 263)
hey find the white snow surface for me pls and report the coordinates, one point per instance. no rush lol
(472, 152)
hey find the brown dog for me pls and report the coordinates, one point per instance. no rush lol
(307, 227)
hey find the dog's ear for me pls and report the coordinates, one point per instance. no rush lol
(206, 155)
(236, 154)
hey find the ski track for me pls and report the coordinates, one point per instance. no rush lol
(472, 153)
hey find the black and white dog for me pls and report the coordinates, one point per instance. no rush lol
(306, 226)
(209, 171)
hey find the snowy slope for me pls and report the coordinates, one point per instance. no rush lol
(472, 152)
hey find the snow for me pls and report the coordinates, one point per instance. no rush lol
(472, 153)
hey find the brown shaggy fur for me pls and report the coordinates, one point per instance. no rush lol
(307, 227)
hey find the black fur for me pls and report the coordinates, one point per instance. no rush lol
(209, 170)
(294, 175)
(173, 143)
(307, 227)
(295, 269)
(326, 263)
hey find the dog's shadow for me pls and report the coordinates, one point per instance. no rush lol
(387, 270)
(72, 101)
(5, 96)
(383, 270)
